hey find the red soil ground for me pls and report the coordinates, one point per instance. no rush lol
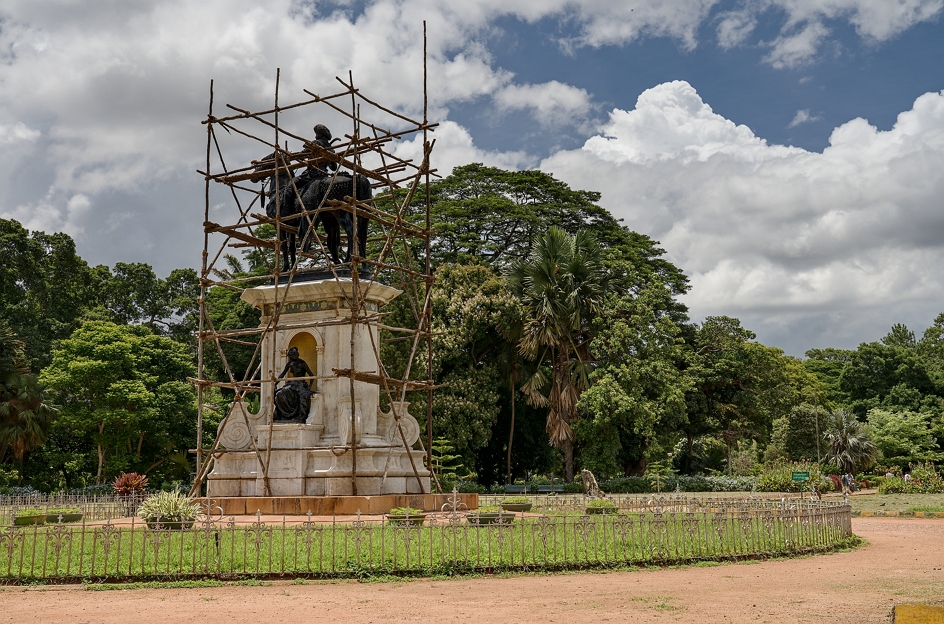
(903, 562)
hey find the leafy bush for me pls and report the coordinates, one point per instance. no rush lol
(466, 487)
(30, 512)
(168, 506)
(515, 500)
(601, 503)
(405, 511)
(779, 478)
(683, 483)
(25, 490)
(92, 490)
(925, 479)
(127, 484)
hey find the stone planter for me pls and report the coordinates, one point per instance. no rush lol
(516, 507)
(53, 518)
(406, 520)
(28, 520)
(490, 517)
(169, 525)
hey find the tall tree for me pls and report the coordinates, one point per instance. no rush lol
(561, 285)
(637, 388)
(125, 388)
(45, 287)
(903, 437)
(889, 376)
(135, 295)
(850, 446)
(25, 414)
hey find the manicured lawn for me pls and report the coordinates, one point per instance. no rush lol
(898, 502)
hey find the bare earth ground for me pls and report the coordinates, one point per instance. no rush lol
(902, 563)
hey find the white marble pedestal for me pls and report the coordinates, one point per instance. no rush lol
(314, 458)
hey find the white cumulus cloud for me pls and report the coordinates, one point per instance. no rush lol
(810, 249)
(803, 116)
(551, 103)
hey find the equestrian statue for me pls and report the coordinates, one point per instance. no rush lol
(305, 193)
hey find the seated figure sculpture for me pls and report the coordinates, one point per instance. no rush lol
(293, 400)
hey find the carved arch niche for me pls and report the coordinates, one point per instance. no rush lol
(307, 349)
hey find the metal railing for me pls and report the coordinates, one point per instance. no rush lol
(92, 508)
(452, 541)
(676, 500)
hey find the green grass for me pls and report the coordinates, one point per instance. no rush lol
(340, 551)
(898, 502)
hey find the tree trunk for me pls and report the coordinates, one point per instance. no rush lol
(569, 461)
(635, 467)
(140, 442)
(101, 455)
(728, 443)
(691, 452)
(511, 434)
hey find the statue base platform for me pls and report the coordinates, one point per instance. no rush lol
(322, 273)
(335, 505)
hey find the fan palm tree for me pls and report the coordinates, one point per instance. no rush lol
(25, 415)
(849, 442)
(561, 286)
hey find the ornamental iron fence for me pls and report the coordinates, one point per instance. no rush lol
(92, 508)
(665, 530)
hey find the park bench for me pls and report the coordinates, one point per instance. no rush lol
(516, 489)
(548, 489)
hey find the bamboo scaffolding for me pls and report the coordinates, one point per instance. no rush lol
(397, 231)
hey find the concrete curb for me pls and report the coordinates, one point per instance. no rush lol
(918, 614)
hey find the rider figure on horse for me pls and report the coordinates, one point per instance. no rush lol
(324, 169)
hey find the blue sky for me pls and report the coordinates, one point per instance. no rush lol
(786, 153)
(850, 78)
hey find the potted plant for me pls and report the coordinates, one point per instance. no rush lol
(70, 514)
(168, 510)
(490, 515)
(406, 516)
(601, 506)
(516, 503)
(29, 516)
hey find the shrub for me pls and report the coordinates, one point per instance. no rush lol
(601, 503)
(405, 511)
(93, 490)
(463, 486)
(168, 506)
(683, 483)
(127, 484)
(779, 478)
(515, 500)
(924, 480)
(30, 512)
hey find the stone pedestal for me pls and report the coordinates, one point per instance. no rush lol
(314, 458)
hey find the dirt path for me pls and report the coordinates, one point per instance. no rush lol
(903, 562)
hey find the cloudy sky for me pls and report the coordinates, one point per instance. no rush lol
(788, 154)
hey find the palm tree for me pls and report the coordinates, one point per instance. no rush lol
(25, 415)
(561, 286)
(849, 442)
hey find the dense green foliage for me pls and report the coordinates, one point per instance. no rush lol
(559, 343)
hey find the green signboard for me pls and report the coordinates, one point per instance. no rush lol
(801, 476)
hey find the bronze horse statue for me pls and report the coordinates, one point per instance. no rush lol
(307, 192)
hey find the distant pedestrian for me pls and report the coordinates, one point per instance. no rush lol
(907, 477)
